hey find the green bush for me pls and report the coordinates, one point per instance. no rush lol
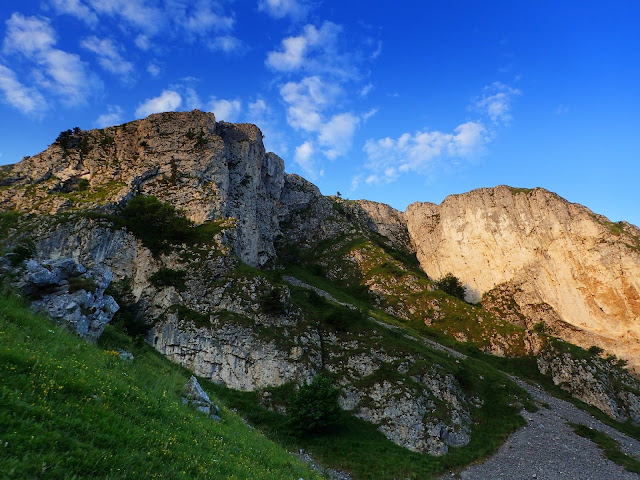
(595, 350)
(271, 303)
(157, 224)
(452, 285)
(127, 317)
(314, 408)
(168, 277)
(21, 252)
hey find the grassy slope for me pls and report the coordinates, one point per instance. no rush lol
(69, 409)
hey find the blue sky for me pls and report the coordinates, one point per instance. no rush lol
(395, 102)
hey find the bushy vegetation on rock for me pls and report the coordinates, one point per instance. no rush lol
(314, 407)
(452, 285)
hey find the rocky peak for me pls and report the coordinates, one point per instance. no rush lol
(558, 255)
(207, 169)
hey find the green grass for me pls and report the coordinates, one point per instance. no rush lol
(69, 409)
(610, 447)
(359, 448)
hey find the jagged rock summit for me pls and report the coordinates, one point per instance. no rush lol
(532, 256)
(208, 169)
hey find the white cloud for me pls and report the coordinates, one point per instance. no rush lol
(27, 100)
(257, 110)
(418, 153)
(28, 35)
(112, 117)
(108, 55)
(198, 17)
(62, 73)
(226, 43)
(77, 9)
(306, 99)
(227, 110)
(367, 115)
(192, 99)
(336, 134)
(143, 42)
(294, 51)
(153, 69)
(561, 110)
(366, 89)
(167, 101)
(496, 102)
(137, 13)
(295, 9)
(304, 158)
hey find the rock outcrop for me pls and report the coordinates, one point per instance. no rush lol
(69, 293)
(562, 262)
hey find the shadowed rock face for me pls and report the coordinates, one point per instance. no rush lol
(562, 261)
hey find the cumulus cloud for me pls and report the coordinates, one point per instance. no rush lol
(227, 110)
(294, 53)
(306, 99)
(295, 9)
(56, 70)
(113, 116)
(337, 133)
(388, 158)
(496, 102)
(108, 55)
(167, 101)
(27, 100)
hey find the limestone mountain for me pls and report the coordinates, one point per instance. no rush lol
(250, 277)
(530, 256)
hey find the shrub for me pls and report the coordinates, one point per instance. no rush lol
(21, 252)
(595, 350)
(314, 407)
(82, 283)
(157, 224)
(168, 277)
(271, 303)
(127, 316)
(452, 285)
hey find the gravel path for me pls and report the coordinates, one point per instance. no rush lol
(548, 449)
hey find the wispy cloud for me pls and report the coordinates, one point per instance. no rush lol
(226, 44)
(496, 101)
(77, 9)
(167, 101)
(27, 100)
(389, 158)
(421, 152)
(113, 116)
(561, 110)
(60, 72)
(109, 57)
(295, 9)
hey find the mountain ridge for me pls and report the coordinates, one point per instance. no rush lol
(212, 296)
